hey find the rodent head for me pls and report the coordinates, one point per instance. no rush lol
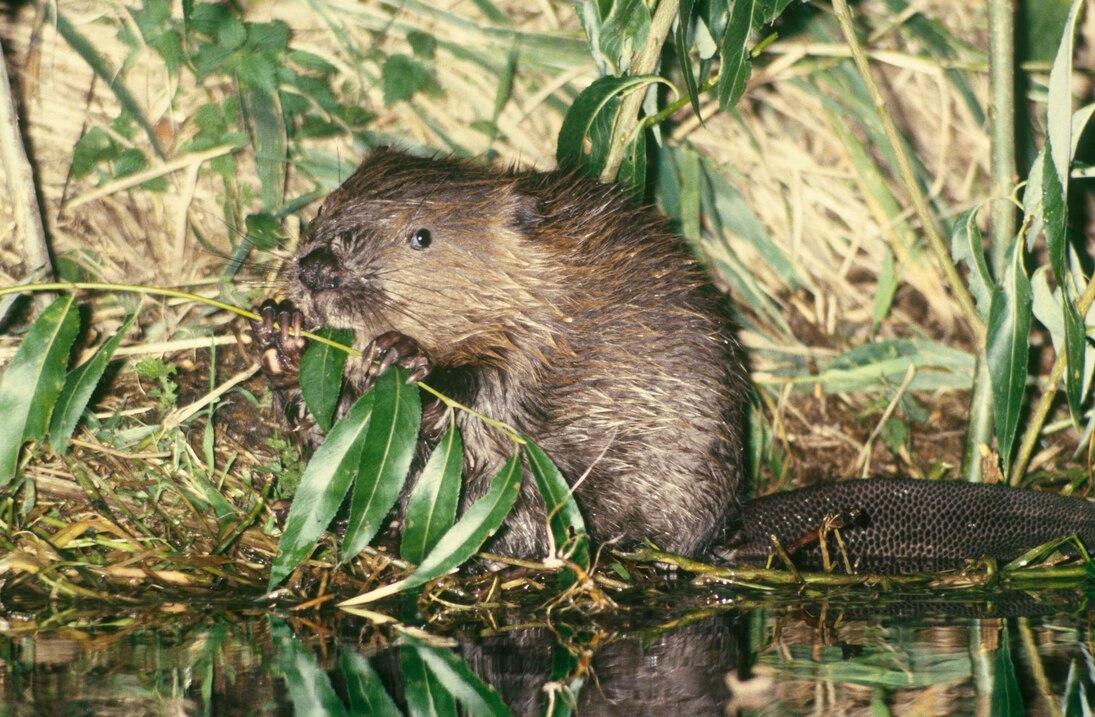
(435, 249)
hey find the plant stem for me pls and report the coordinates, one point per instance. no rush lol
(627, 121)
(935, 242)
(20, 182)
(1002, 126)
(979, 428)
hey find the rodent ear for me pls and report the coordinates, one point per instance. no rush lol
(527, 213)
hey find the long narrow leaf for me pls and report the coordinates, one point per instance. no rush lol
(364, 689)
(460, 542)
(457, 678)
(967, 246)
(385, 457)
(425, 695)
(431, 509)
(735, 53)
(1007, 349)
(33, 380)
(79, 385)
(588, 108)
(568, 529)
(1056, 163)
(324, 484)
(684, 59)
(321, 375)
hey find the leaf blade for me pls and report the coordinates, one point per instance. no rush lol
(33, 380)
(385, 457)
(431, 508)
(325, 482)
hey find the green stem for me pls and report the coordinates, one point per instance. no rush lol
(645, 62)
(1002, 126)
(979, 430)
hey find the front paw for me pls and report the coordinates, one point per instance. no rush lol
(394, 348)
(279, 347)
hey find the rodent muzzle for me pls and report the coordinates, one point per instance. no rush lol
(319, 270)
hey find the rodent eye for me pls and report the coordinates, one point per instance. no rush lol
(421, 239)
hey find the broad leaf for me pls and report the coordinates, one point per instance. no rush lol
(33, 380)
(431, 507)
(385, 458)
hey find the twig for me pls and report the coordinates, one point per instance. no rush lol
(644, 63)
(21, 188)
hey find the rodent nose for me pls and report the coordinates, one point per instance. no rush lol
(319, 270)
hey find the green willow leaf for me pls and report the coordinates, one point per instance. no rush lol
(364, 689)
(735, 53)
(79, 385)
(385, 458)
(462, 540)
(324, 484)
(321, 375)
(1007, 349)
(482, 520)
(632, 175)
(457, 678)
(1006, 699)
(684, 59)
(587, 108)
(33, 380)
(431, 508)
(307, 683)
(425, 695)
(967, 247)
(568, 529)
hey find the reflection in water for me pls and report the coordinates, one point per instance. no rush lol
(806, 659)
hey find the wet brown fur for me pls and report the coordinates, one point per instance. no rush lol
(551, 303)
